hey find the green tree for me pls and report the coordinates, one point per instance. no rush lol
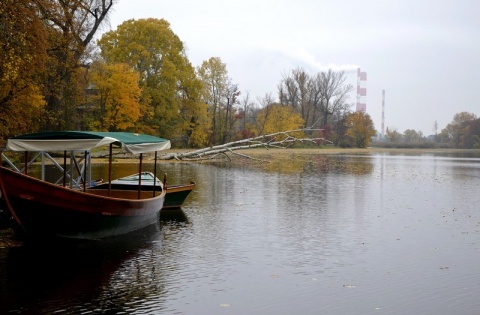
(458, 128)
(393, 135)
(472, 136)
(360, 128)
(412, 136)
(170, 90)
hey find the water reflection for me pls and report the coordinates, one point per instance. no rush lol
(318, 163)
(97, 276)
(384, 233)
(173, 215)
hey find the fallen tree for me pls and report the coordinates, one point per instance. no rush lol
(282, 139)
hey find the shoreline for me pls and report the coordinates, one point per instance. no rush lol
(282, 153)
(271, 154)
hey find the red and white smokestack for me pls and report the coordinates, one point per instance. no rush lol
(361, 91)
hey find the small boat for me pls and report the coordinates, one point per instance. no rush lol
(44, 209)
(176, 194)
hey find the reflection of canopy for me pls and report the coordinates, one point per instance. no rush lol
(85, 141)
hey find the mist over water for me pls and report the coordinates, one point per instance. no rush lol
(386, 234)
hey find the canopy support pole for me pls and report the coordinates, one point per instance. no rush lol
(43, 165)
(84, 175)
(64, 168)
(140, 175)
(155, 174)
(110, 170)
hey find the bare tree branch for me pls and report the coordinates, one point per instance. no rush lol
(282, 139)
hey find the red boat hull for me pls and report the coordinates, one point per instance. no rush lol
(44, 209)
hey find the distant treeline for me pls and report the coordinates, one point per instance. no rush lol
(463, 132)
(138, 78)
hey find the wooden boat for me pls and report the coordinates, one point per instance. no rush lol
(44, 209)
(176, 194)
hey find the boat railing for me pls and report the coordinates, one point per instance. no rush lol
(76, 174)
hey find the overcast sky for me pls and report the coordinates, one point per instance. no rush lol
(425, 54)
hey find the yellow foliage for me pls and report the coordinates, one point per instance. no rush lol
(22, 60)
(169, 85)
(199, 126)
(118, 96)
(22, 112)
(274, 118)
(360, 128)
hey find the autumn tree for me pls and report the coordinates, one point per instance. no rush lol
(214, 77)
(71, 26)
(116, 98)
(170, 90)
(274, 117)
(22, 67)
(360, 128)
(221, 96)
(263, 116)
(194, 120)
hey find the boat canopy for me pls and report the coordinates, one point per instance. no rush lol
(86, 140)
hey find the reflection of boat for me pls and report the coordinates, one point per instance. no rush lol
(173, 214)
(41, 208)
(68, 274)
(176, 194)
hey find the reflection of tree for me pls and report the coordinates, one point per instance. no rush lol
(344, 164)
(359, 167)
(312, 163)
(286, 165)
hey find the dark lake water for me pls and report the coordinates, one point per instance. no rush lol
(339, 234)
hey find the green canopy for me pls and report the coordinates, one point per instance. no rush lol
(86, 140)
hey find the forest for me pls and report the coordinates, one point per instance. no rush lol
(55, 76)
